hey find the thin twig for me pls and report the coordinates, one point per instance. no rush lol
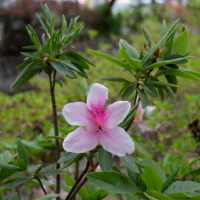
(41, 184)
(82, 183)
(82, 175)
(55, 129)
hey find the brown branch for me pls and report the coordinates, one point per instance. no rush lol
(82, 175)
(55, 129)
(41, 184)
(82, 183)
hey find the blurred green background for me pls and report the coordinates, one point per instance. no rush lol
(175, 131)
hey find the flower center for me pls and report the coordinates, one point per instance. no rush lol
(98, 115)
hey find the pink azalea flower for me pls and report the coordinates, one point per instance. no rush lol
(101, 125)
(139, 121)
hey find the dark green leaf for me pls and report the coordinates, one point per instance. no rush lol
(135, 177)
(143, 98)
(105, 160)
(161, 93)
(182, 59)
(130, 116)
(150, 89)
(32, 56)
(115, 79)
(167, 61)
(19, 181)
(129, 162)
(170, 179)
(112, 182)
(174, 25)
(171, 66)
(68, 156)
(167, 90)
(181, 74)
(9, 167)
(22, 151)
(163, 83)
(62, 69)
(128, 91)
(152, 179)
(22, 164)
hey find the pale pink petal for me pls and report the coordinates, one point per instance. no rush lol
(144, 127)
(81, 140)
(117, 141)
(97, 97)
(149, 109)
(116, 113)
(139, 107)
(77, 114)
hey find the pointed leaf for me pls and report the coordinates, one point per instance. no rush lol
(143, 98)
(105, 160)
(112, 182)
(115, 79)
(128, 91)
(19, 181)
(147, 36)
(22, 151)
(150, 89)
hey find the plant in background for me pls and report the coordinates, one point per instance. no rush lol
(143, 179)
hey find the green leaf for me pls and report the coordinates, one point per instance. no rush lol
(180, 44)
(128, 91)
(173, 57)
(177, 189)
(22, 151)
(68, 156)
(48, 197)
(105, 160)
(143, 98)
(158, 195)
(163, 83)
(150, 89)
(112, 182)
(62, 69)
(129, 162)
(130, 116)
(132, 52)
(167, 90)
(152, 179)
(25, 74)
(165, 62)
(135, 177)
(147, 36)
(50, 172)
(32, 56)
(80, 57)
(74, 67)
(170, 179)
(155, 167)
(24, 64)
(163, 29)
(115, 79)
(153, 49)
(108, 57)
(172, 80)
(161, 93)
(136, 65)
(174, 25)
(181, 74)
(19, 181)
(9, 167)
(22, 164)
(14, 197)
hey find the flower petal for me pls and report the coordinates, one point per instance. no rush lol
(117, 141)
(98, 95)
(77, 114)
(116, 113)
(81, 141)
(144, 127)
